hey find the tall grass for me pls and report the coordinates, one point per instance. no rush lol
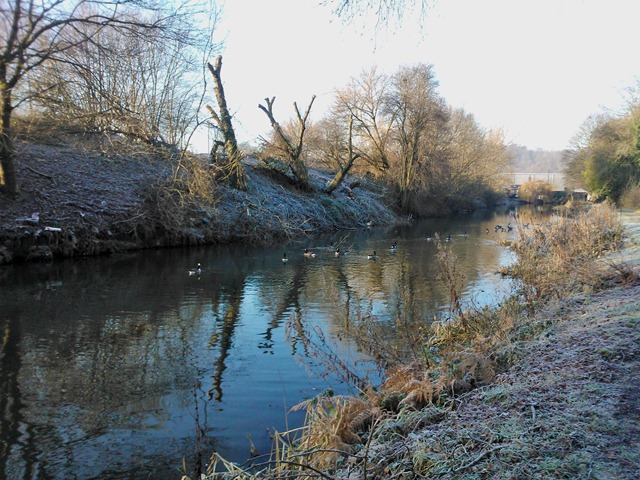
(631, 197)
(556, 258)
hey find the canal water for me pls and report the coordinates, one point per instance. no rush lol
(126, 366)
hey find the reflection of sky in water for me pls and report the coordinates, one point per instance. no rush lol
(122, 357)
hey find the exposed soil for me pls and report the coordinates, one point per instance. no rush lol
(72, 202)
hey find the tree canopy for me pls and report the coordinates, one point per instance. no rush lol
(398, 128)
(607, 155)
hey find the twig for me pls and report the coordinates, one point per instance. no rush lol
(367, 447)
(327, 450)
(130, 219)
(533, 414)
(302, 465)
(478, 458)
(42, 174)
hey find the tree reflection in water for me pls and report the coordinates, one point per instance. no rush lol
(99, 357)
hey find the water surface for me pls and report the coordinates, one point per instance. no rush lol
(123, 366)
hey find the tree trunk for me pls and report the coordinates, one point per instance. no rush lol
(293, 152)
(335, 182)
(234, 171)
(8, 178)
(344, 169)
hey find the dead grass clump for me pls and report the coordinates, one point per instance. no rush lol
(631, 197)
(197, 180)
(413, 385)
(556, 258)
(189, 196)
(333, 426)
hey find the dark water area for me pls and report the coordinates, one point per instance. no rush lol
(109, 367)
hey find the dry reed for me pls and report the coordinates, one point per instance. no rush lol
(556, 257)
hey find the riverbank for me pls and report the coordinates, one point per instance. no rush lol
(77, 200)
(568, 406)
(543, 393)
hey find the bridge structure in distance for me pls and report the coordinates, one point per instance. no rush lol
(555, 179)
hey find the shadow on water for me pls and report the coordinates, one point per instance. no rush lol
(109, 367)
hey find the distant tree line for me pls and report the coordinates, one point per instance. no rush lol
(526, 160)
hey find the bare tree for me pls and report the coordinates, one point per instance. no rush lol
(333, 144)
(42, 32)
(383, 11)
(435, 156)
(478, 159)
(136, 84)
(365, 101)
(419, 119)
(231, 165)
(290, 146)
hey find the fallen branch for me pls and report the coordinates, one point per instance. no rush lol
(319, 473)
(478, 458)
(135, 217)
(42, 174)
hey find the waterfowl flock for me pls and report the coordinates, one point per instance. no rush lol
(393, 248)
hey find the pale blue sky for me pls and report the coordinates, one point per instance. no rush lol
(537, 69)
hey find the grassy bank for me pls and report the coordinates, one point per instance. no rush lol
(79, 200)
(545, 386)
